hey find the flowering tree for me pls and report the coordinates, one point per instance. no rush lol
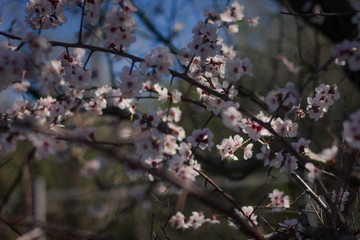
(62, 111)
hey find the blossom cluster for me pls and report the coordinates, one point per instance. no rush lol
(12, 64)
(279, 200)
(293, 227)
(159, 143)
(246, 213)
(347, 52)
(229, 145)
(285, 161)
(45, 14)
(339, 198)
(325, 96)
(282, 97)
(196, 220)
(351, 131)
(119, 25)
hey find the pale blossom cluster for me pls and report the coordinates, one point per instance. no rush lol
(42, 108)
(74, 74)
(123, 103)
(213, 63)
(160, 143)
(253, 21)
(319, 104)
(38, 46)
(313, 171)
(270, 159)
(148, 120)
(20, 109)
(92, 11)
(157, 64)
(203, 58)
(234, 13)
(236, 68)
(165, 148)
(98, 102)
(172, 114)
(150, 145)
(293, 228)
(253, 128)
(12, 65)
(232, 118)
(302, 145)
(183, 164)
(21, 87)
(285, 128)
(339, 198)
(118, 27)
(327, 155)
(231, 15)
(9, 139)
(246, 213)
(131, 82)
(282, 97)
(228, 146)
(351, 130)
(286, 161)
(291, 67)
(201, 138)
(45, 146)
(214, 103)
(93, 167)
(279, 200)
(348, 51)
(51, 78)
(205, 41)
(45, 14)
(289, 164)
(77, 77)
(196, 220)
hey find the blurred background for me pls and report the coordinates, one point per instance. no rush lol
(79, 204)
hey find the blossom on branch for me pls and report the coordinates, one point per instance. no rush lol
(232, 118)
(118, 27)
(201, 138)
(279, 200)
(351, 130)
(45, 14)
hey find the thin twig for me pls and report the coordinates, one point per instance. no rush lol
(319, 14)
(314, 196)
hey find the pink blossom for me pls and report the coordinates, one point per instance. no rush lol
(131, 82)
(233, 14)
(340, 197)
(118, 27)
(196, 220)
(234, 70)
(313, 171)
(201, 138)
(301, 146)
(232, 118)
(290, 164)
(178, 221)
(279, 200)
(294, 227)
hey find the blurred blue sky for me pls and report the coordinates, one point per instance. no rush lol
(164, 14)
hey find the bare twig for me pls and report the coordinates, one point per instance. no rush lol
(319, 14)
